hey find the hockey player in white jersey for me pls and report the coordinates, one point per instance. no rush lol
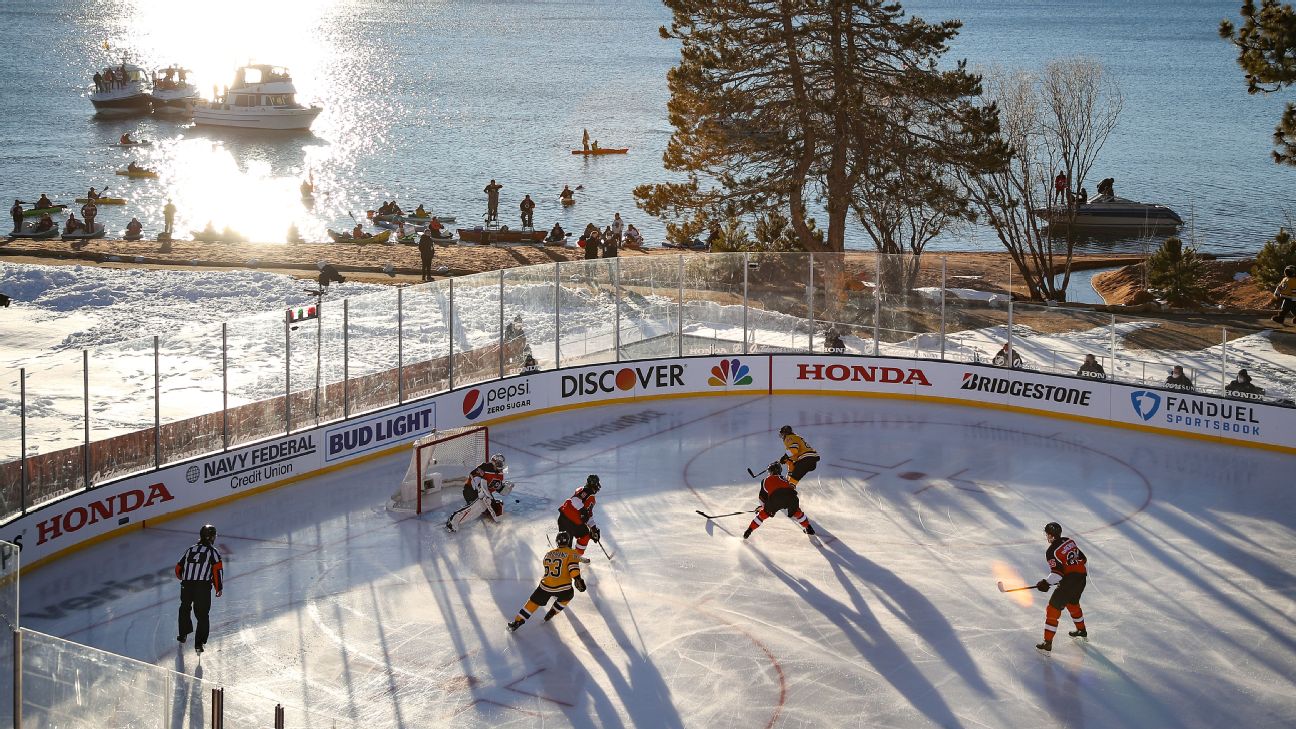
(479, 492)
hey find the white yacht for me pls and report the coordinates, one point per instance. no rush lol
(125, 92)
(1109, 211)
(262, 97)
(173, 94)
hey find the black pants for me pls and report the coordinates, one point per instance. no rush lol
(1288, 306)
(195, 594)
(427, 266)
(1068, 591)
(801, 467)
(528, 219)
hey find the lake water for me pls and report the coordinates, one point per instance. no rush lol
(427, 101)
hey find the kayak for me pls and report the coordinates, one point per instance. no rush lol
(620, 150)
(141, 143)
(412, 240)
(416, 219)
(130, 236)
(98, 232)
(29, 231)
(137, 173)
(104, 200)
(41, 211)
(346, 238)
(568, 202)
(693, 245)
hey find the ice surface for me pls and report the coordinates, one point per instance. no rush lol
(385, 619)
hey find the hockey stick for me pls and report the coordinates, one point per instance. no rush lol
(720, 516)
(1014, 589)
(605, 552)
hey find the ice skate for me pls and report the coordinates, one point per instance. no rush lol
(515, 624)
(1046, 646)
(1081, 633)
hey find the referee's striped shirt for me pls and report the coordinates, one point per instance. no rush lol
(200, 562)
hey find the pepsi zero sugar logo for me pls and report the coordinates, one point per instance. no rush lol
(492, 400)
(624, 379)
(1028, 390)
(1198, 413)
(730, 372)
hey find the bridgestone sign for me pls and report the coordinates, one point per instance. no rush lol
(1028, 390)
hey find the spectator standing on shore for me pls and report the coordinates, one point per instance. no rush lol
(1091, 367)
(89, 211)
(427, 250)
(618, 226)
(492, 200)
(593, 241)
(1178, 380)
(168, 218)
(16, 212)
(1242, 386)
(527, 207)
(1285, 293)
(609, 244)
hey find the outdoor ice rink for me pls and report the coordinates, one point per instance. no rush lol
(384, 619)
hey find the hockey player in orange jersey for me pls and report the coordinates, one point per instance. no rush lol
(561, 573)
(777, 494)
(1067, 570)
(576, 515)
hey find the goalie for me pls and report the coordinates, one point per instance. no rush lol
(479, 492)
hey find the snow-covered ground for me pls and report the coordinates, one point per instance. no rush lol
(61, 310)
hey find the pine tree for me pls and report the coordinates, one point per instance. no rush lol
(1266, 45)
(1278, 253)
(1176, 273)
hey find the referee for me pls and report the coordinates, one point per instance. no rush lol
(198, 570)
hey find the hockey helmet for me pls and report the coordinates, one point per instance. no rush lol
(497, 460)
(785, 430)
(775, 468)
(1289, 271)
(1053, 529)
(592, 483)
(207, 534)
(563, 539)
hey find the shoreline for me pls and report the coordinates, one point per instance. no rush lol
(399, 264)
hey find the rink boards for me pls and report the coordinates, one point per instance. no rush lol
(90, 516)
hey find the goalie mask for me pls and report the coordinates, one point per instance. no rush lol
(497, 461)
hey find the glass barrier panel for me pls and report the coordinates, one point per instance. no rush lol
(66, 684)
(189, 367)
(715, 316)
(976, 325)
(255, 358)
(426, 338)
(529, 305)
(189, 701)
(10, 443)
(587, 313)
(1266, 356)
(845, 306)
(305, 359)
(121, 409)
(475, 328)
(373, 355)
(1063, 340)
(1169, 354)
(332, 359)
(55, 428)
(909, 305)
(649, 307)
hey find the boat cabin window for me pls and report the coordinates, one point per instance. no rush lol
(249, 76)
(245, 100)
(279, 100)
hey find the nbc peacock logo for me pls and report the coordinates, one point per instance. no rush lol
(730, 372)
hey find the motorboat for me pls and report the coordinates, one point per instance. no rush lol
(1109, 211)
(173, 94)
(262, 97)
(122, 96)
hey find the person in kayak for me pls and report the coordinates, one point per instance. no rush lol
(357, 232)
(134, 228)
(419, 212)
(434, 227)
(567, 196)
(73, 225)
(92, 194)
(132, 167)
(46, 222)
(126, 139)
(557, 234)
(43, 202)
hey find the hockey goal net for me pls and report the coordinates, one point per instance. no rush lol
(440, 460)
